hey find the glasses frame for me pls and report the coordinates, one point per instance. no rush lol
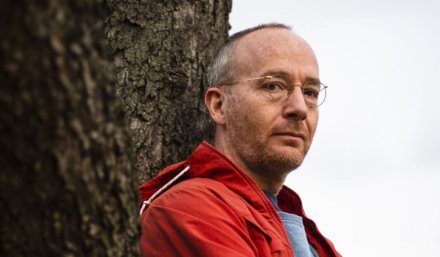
(324, 87)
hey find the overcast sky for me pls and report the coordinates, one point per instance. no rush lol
(372, 178)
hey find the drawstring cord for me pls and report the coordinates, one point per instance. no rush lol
(163, 188)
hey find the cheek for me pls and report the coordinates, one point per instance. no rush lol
(241, 120)
(260, 121)
(312, 123)
(251, 118)
(244, 120)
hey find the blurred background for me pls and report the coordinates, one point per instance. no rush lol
(371, 180)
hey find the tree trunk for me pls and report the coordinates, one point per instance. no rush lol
(162, 50)
(66, 183)
(67, 187)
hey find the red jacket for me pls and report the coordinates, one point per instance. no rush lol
(215, 209)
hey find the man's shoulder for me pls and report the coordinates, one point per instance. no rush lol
(204, 185)
(200, 188)
(199, 194)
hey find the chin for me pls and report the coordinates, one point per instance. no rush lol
(293, 151)
(293, 162)
(285, 158)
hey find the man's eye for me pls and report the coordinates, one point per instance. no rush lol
(274, 86)
(310, 92)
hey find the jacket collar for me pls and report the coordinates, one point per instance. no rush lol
(207, 162)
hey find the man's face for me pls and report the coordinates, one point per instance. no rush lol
(263, 135)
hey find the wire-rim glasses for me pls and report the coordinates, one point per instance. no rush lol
(280, 88)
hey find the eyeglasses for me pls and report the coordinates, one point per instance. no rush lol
(280, 88)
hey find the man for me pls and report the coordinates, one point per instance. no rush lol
(229, 200)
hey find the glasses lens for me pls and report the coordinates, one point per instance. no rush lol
(314, 93)
(322, 95)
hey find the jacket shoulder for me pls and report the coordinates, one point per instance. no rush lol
(201, 194)
(196, 217)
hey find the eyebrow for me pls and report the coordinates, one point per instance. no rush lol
(278, 72)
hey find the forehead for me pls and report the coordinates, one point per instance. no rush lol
(275, 49)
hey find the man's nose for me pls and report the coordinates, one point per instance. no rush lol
(295, 106)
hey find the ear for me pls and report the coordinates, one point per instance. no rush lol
(214, 101)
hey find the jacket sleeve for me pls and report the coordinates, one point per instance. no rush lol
(195, 220)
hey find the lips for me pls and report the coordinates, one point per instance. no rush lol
(291, 134)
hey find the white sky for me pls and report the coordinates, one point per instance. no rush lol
(372, 178)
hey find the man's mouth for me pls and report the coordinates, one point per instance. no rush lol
(291, 134)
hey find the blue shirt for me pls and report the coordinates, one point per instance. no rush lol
(295, 229)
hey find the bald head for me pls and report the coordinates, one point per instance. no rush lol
(254, 51)
(246, 46)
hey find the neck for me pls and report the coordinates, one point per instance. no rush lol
(268, 181)
(271, 185)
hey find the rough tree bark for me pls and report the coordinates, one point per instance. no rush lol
(67, 187)
(162, 50)
(66, 182)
